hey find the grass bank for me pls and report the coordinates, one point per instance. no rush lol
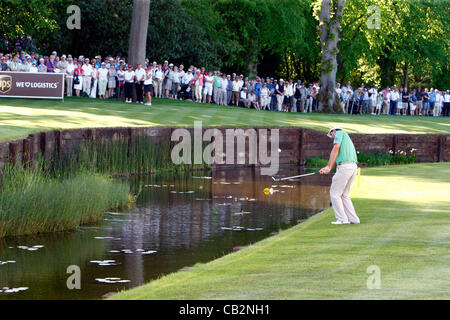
(35, 201)
(404, 232)
(20, 117)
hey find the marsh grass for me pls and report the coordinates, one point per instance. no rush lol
(36, 200)
(76, 188)
(122, 157)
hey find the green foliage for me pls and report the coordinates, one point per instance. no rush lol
(410, 31)
(316, 162)
(376, 158)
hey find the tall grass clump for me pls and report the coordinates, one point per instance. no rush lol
(33, 200)
(123, 157)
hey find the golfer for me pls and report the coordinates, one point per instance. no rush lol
(344, 155)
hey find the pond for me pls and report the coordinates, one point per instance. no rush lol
(177, 222)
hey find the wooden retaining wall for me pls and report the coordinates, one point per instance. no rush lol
(296, 144)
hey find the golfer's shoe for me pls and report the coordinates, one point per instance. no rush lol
(339, 222)
(355, 222)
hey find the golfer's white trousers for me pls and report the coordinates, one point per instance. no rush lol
(340, 188)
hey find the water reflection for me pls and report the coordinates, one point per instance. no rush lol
(178, 221)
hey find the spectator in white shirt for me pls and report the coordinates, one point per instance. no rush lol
(87, 77)
(129, 77)
(148, 86)
(139, 77)
(223, 91)
(33, 68)
(373, 95)
(394, 97)
(69, 76)
(102, 81)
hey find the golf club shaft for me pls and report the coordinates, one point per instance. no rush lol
(296, 177)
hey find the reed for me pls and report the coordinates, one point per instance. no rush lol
(122, 157)
(33, 200)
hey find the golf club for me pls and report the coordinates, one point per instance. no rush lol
(294, 177)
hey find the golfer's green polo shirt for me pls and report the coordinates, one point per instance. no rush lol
(347, 150)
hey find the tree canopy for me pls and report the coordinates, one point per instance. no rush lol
(403, 42)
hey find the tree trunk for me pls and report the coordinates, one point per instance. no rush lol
(138, 32)
(330, 20)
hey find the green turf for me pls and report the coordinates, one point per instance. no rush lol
(20, 117)
(405, 231)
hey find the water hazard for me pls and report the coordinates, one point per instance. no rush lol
(178, 222)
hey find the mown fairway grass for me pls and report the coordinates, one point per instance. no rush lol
(405, 231)
(20, 117)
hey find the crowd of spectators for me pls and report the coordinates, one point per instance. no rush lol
(112, 77)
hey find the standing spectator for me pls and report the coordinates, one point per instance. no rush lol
(208, 92)
(186, 91)
(168, 76)
(298, 96)
(94, 85)
(223, 90)
(15, 65)
(438, 102)
(338, 91)
(395, 96)
(404, 102)
(217, 83)
(129, 77)
(432, 101)
(229, 89)
(264, 96)
(386, 102)
(78, 78)
(139, 84)
(51, 64)
(87, 77)
(280, 95)
(198, 86)
(33, 68)
(419, 96)
(379, 103)
(365, 101)
(102, 80)
(289, 96)
(309, 98)
(112, 75)
(121, 78)
(62, 64)
(273, 94)
(236, 88)
(158, 77)
(175, 82)
(70, 69)
(373, 95)
(258, 86)
(25, 67)
(412, 103)
(22, 57)
(446, 107)
(347, 99)
(148, 86)
(426, 102)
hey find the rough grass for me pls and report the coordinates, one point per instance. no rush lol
(20, 117)
(405, 230)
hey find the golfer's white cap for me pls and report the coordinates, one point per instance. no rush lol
(333, 128)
